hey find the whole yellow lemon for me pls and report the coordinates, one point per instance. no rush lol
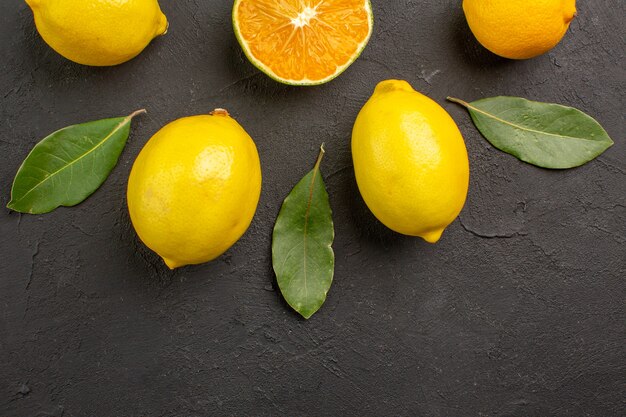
(98, 32)
(194, 188)
(410, 161)
(519, 29)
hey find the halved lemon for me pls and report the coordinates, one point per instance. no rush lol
(303, 42)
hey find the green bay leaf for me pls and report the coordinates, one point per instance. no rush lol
(302, 252)
(543, 134)
(69, 165)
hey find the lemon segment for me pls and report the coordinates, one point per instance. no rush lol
(303, 43)
(410, 161)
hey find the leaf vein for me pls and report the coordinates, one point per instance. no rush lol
(492, 116)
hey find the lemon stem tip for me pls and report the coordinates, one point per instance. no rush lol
(568, 19)
(219, 112)
(171, 264)
(163, 25)
(432, 237)
(393, 85)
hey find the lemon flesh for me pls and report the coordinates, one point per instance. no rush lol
(194, 188)
(98, 32)
(410, 161)
(519, 29)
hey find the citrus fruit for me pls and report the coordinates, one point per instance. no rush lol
(194, 188)
(519, 29)
(302, 42)
(410, 161)
(98, 32)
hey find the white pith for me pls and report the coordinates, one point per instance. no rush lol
(304, 17)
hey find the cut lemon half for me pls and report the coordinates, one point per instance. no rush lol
(302, 42)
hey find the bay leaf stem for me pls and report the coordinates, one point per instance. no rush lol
(320, 157)
(459, 101)
(137, 113)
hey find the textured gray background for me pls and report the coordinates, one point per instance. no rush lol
(518, 311)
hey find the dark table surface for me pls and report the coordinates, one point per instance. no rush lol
(518, 311)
